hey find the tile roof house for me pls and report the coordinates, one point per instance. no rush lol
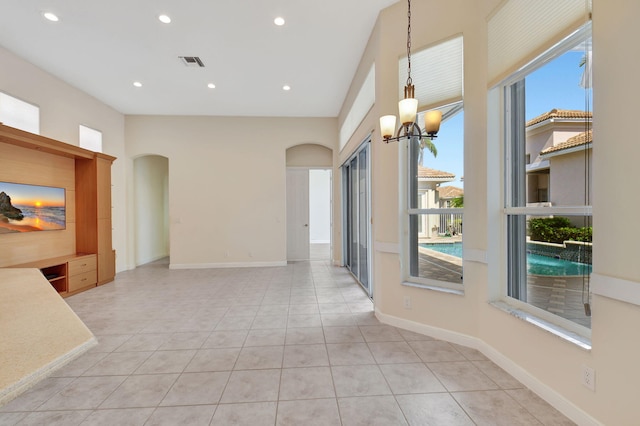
(556, 147)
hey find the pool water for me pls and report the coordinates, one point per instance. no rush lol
(536, 264)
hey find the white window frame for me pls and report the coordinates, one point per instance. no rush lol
(509, 210)
(89, 138)
(23, 115)
(408, 212)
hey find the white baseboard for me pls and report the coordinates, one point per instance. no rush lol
(226, 265)
(151, 259)
(558, 401)
(35, 377)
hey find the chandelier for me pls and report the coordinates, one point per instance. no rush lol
(408, 107)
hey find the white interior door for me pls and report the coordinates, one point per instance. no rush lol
(297, 214)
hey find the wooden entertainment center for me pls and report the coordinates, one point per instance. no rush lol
(81, 256)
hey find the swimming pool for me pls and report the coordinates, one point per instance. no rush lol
(536, 264)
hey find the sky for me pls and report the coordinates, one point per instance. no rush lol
(28, 195)
(555, 85)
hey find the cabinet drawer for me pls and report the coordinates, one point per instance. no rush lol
(76, 282)
(82, 265)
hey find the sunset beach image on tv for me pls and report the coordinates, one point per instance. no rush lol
(25, 208)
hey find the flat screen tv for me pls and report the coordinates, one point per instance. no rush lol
(25, 208)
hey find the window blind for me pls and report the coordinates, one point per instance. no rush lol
(521, 30)
(436, 73)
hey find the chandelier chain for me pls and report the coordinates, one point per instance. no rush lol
(409, 80)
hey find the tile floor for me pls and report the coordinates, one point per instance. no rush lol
(296, 345)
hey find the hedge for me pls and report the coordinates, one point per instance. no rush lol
(557, 230)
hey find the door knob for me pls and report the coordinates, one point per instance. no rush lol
(306, 225)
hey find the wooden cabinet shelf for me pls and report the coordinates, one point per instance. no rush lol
(86, 177)
(68, 274)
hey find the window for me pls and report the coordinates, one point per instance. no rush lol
(548, 156)
(19, 114)
(434, 218)
(356, 189)
(90, 139)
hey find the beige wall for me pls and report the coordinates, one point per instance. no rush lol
(62, 109)
(549, 365)
(227, 192)
(308, 155)
(567, 184)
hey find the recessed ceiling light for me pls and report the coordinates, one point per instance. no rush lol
(164, 19)
(51, 16)
(279, 21)
(286, 88)
(211, 86)
(137, 84)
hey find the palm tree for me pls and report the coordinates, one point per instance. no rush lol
(426, 143)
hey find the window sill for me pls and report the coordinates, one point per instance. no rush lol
(558, 331)
(434, 287)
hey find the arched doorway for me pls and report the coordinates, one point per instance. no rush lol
(309, 202)
(151, 207)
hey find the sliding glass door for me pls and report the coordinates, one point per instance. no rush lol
(356, 174)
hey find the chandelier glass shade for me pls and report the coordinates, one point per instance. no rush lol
(408, 107)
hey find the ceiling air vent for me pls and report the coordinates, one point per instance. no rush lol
(191, 61)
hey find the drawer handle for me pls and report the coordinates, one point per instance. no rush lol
(84, 279)
(84, 264)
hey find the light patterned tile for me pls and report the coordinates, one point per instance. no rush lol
(461, 376)
(371, 411)
(436, 351)
(252, 386)
(498, 375)
(83, 393)
(306, 383)
(411, 378)
(260, 357)
(304, 336)
(305, 356)
(199, 415)
(359, 380)
(118, 364)
(225, 339)
(55, 418)
(268, 337)
(433, 409)
(197, 389)
(140, 391)
(36, 396)
(166, 362)
(120, 417)
(380, 333)
(315, 412)
(349, 354)
(343, 334)
(393, 352)
(11, 419)
(539, 408)
(254, 414)
(495, 408)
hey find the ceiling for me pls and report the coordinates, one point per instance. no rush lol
(102, 47)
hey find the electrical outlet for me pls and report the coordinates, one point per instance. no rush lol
(589, 377)
(407, 302)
